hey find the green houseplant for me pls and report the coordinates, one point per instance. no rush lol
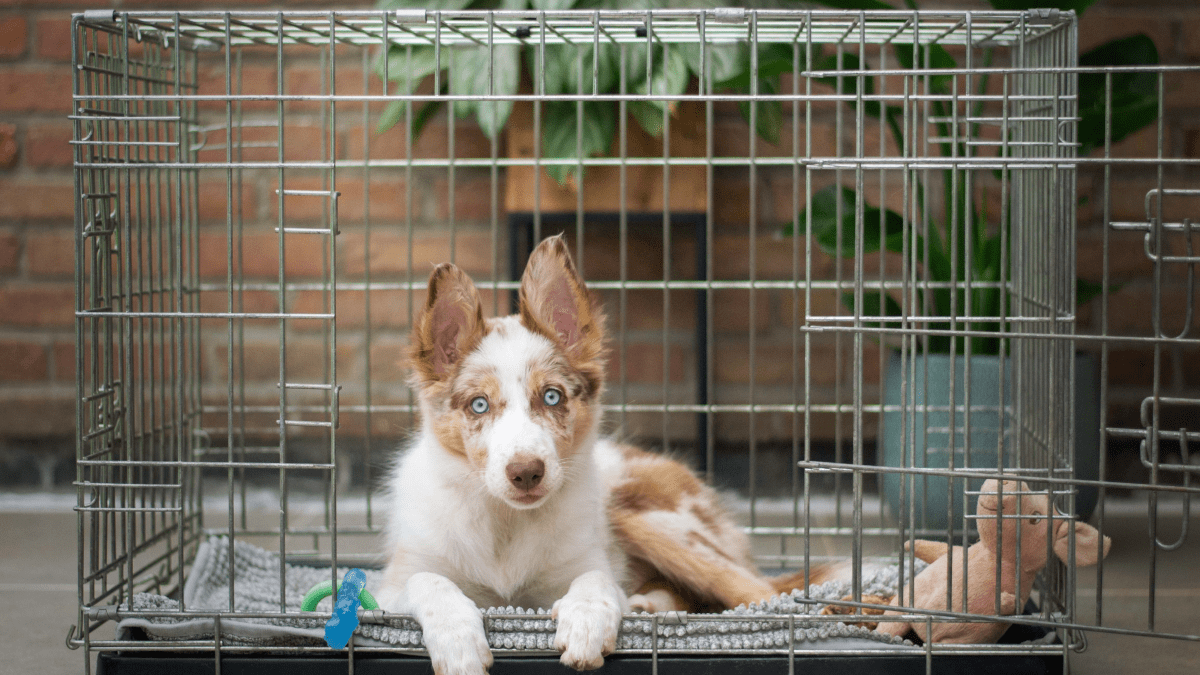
(943, 260)
(569, 70)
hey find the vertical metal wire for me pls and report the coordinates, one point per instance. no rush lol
(281, 303)
(710, 419)
(859, 311)
(752, 221)
(230, 237)
(666, 227)
(368, 390)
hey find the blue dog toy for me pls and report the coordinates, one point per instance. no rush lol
(350, 594)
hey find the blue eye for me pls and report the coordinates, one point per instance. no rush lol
(479, 405)
(552, 397)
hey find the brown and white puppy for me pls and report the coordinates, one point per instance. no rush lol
(509, 496)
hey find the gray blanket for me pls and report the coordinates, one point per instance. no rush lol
(256, 585)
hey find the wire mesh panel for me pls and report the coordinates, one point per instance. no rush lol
(838, 251)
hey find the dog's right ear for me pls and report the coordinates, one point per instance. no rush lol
(450, 326)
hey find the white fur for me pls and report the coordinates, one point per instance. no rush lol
(458, 543)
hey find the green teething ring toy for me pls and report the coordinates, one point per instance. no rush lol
(325, 589)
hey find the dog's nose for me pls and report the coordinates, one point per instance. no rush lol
(526, 475)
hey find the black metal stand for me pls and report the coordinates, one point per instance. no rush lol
(902, 663)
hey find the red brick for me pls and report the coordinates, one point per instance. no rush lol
(1129, 202)
(389, 253)
(8, 146)
(35, 89)
(306, 361)
(1099, 27)
(252, 302)
(731, 311)
(50, 255)
(301, 142)
(644, 310)
(433, 143)
(22, 361)
(10, 251)
(1126, 256)
(389, 360)
(773, 258)
(772, 364)
(387, 200)
(48, 305)
(63, 354)
(314, 81)
(389, 308)
(54, 38)
(304, 255)
(472, 196)
(48, 146)
(37, 416)
(644, 363)
(214, 200)
(824, 303)
(1180, 88)
(43, 200)
(13, 35)
(256, 80)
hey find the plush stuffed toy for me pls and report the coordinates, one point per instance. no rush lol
(994, 543)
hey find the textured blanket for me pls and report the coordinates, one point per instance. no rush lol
(256, 586)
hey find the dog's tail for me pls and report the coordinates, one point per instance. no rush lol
(817, 574)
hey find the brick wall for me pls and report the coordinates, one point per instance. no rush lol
(37, 266)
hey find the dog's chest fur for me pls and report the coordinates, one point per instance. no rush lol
(499, 556)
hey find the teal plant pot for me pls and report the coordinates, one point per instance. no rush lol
(916, 433)
(921, 421)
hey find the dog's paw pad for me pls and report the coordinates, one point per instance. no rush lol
(587, 631)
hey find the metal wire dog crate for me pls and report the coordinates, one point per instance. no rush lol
(249, 250)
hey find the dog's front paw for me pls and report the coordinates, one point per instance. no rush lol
(587, 630)
(457, 644)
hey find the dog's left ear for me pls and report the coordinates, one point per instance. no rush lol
(556, 304)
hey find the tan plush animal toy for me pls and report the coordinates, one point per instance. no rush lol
(981, 569)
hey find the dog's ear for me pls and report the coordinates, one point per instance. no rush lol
(556, 304)
(450, 326)
(1089, 548)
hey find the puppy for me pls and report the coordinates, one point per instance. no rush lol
(509, 496)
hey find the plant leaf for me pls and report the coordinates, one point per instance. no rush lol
(469, 75)
(1134, 95)
(559, 132)
(390, 117)
(855, 4)
(552, 4)
(1077, 5)
(871, 308)
(770, 113)
(430, 5)
(939, 58)
(648, 116)
(825, 223)
(725, 59)
(408, 73)
(669, 78)
(849, 82)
